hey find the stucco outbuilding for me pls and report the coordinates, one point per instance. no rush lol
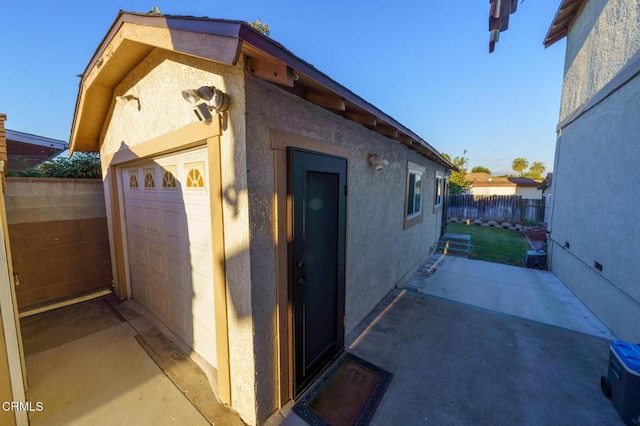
(277, 200)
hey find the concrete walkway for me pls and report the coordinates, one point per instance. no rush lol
(87, 365)
(527, 293)
(486, 344)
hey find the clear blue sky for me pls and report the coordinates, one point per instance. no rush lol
(425, 63)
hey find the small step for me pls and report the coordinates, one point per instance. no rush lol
(459, 244)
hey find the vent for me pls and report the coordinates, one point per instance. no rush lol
(598, 266)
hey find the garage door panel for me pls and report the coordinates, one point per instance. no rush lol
(141, 291)
(139, 254)
(179, 316)
(156, 264)
(177, 273)
(200, 339)
(174, 225)
(134, 217)
(157, 301)
(170, 243)
(152, 221)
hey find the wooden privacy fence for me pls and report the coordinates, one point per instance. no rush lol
(501, 208)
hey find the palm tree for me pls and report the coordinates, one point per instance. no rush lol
(519, 165)
(537, 168)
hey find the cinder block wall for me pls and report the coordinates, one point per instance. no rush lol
(58, 236)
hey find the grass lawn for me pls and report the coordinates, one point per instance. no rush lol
(493, 244)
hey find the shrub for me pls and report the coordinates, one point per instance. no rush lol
(80, 165)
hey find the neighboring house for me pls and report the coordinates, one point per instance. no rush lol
(262, 234)
(594, 244)
(545, 187)
(485, 184)
(26, 151)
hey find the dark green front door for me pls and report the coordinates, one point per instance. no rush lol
(317, 186)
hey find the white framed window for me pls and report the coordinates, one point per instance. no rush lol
(438, 191)
(414, 194)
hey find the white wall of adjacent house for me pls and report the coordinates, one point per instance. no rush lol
(595, 237)
(529, 192)
(493, 190)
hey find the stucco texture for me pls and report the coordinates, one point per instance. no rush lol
(158, 82)
(596, 183)
(603, 38)
(379, 251)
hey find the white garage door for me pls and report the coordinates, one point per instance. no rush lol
(169, 238)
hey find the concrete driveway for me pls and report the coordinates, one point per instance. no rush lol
(471, 342)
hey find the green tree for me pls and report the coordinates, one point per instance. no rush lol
(262, 27)
(519, 165)
(537, 168)
(480, 169)
(458, 182)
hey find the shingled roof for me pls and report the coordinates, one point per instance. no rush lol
(134, 35)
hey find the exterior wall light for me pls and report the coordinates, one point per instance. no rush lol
(377, 161)
(127, 98)
(215, 99)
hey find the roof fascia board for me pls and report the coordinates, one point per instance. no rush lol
(168, 33)
(279, 52)
(197, 25)
(241, 33)
(556, 33)
(15, 136)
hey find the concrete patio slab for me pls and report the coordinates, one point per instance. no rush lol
(528, 293)
(484, 344)
(457, 364)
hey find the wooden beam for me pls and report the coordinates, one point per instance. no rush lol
(366, 119)
(275, 72)
(387, 131)
(405, 139)
(327, 100)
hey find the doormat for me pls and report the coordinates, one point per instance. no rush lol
(348, 393)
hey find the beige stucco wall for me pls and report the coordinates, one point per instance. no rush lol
(601, 41)
(596, 183)
(158, 82)
(379, 251)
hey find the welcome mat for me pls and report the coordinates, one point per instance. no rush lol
(348, 393)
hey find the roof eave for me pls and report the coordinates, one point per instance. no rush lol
(562, 21)
(117, 36)
(242, 34)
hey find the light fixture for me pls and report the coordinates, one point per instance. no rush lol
(123, 99)
(202, 112)
(377, 161)
(217, 99)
